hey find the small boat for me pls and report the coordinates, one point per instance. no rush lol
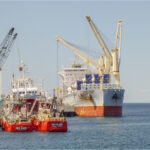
(20, 125)
(17, 120)
(48, 118)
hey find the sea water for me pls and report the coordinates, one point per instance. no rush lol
(131, 131)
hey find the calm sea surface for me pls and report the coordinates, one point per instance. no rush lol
(132, 131)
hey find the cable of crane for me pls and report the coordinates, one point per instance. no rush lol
(106, 39)
(91, 52)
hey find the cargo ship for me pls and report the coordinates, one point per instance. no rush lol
(97, 94)
(91, 98)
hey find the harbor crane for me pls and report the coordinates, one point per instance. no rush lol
(112, 60)
(5, 48)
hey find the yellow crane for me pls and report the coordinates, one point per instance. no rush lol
(116, 53)
(107, 54)
(118, 41)
(111, 60)
(98, 67)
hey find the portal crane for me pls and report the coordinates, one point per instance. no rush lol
(94, 65)
(5, 48)
(107, 54)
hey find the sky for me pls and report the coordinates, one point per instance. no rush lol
(37, 24)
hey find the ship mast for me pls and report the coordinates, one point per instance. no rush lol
(22, 70)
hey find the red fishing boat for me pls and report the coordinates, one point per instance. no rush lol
(16, 120)
(48, 118)
(18, 126)
(52, 125)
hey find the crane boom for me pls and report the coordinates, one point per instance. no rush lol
(6, 45)
(107, 54)
(6, 40)
(85, 58)
(5, 53)
(99, 37)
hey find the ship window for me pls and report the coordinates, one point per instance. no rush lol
(21, 85)
(27, 85)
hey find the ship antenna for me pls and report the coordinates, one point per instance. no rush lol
(41, 85)
(21, 69)
(57, 63)
(13, 76)
(53, 93)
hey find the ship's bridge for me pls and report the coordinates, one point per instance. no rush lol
(71, 75)
(23, 86)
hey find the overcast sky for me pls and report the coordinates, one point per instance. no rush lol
(38, 23)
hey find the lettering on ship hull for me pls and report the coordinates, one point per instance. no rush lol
(21, 128)
(57, 124)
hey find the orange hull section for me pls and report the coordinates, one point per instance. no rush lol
(52, 126)
(99, 111)
(23, 127)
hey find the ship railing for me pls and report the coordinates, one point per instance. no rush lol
(98, 86)
(112, 86)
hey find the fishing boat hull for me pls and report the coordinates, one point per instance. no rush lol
(51, 126)
(22, 127)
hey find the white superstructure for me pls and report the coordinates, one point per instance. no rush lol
(70, 76)
(22, 87)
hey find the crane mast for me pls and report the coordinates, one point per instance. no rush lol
(118, 41)
(5, 48)
(116, 53)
